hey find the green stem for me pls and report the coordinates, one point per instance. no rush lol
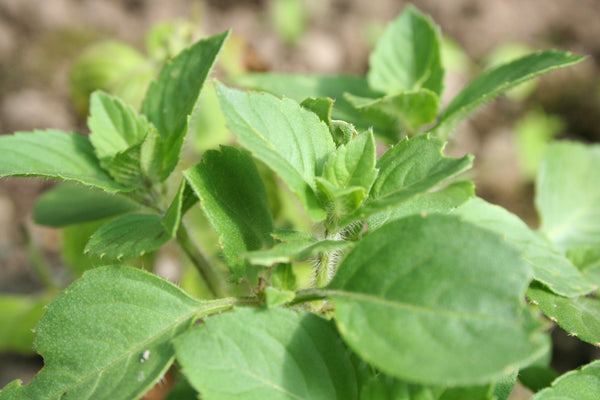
(210, 276)
(305, 295)
(322, 271)
(40, 267)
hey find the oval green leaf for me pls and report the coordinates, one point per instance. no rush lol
(275, 354)
(54, 154)
(436, 300)
(128, 236)
(69, 204)
(108, 337)
(583, 384)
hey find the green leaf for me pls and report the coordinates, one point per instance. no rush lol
(436, 300)
(579, 316)
(103, 339)
(537, 377)
(292, 141)
(582, 384)
(54, 154)
(407, 56)
(235, 200)
(505, 386)
(497, 81)
(404, 112)
(183, 201)
(19, 315)
(568, 195)
(339, 203)
(441, 201)
(299, 87)
(115, 126)
(275, 354)
(128, 236)
(412, 167)
(170, 99)
(322, 106)
(276, 297)
(353, 164)
(294, 250)
(68, 204)
(549, 266)
(125, 167)
(588, 261)
(341, 131)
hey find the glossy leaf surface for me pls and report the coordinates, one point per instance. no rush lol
(403, 302)
(276, 354)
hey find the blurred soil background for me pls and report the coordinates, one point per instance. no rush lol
(39, 40)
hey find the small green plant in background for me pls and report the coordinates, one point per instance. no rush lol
(415, 289)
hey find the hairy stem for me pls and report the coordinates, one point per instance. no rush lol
(210, 276)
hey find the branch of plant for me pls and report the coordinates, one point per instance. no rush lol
(211, 277)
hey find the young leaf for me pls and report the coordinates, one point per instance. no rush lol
(579, 316)
(68, 204)
(274, 354)
(568, 195)
(353, 164)
(128, 236)
(114, 126)
(412, 167)
(183, 201)
(54, 154)
(582, 384)
(407, 56)
(422, 300)
(497, 81)
(404, 112)
(94, 349)
(441, 201)
(549, 266)
(341, 131)
(170, 99)
(125, 167)
(339, 203)
(235, 201)
(292, 141)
